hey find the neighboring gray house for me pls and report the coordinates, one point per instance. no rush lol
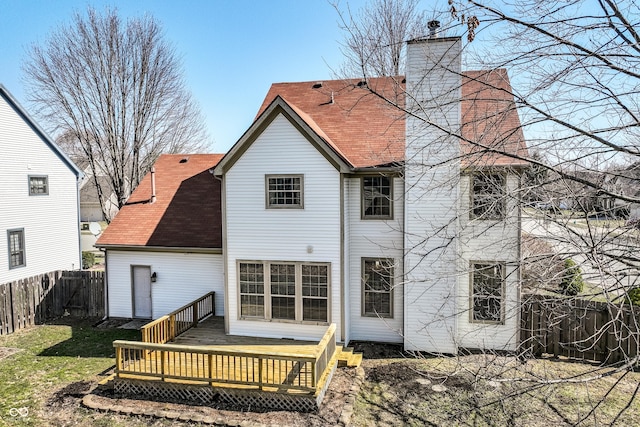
(90, 210)
(40, 203)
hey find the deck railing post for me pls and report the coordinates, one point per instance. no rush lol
(118, 361)
(172, 327)
(195, 314)
(162, 364)
(211, 369)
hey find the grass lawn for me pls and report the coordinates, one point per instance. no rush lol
(46, 364)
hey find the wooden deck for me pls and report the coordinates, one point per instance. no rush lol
(186, 355)
(210, 332)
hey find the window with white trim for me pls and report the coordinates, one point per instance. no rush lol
(488, 196)
(284, 191)
(38, 185)
(292, 291)
(487, 292)
(16, 248)
(377, 287)
(377, 196)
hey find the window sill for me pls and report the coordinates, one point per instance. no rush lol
(292, 322)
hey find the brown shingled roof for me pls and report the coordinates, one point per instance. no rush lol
(369, 131)
(187, 212)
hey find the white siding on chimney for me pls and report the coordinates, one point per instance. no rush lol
(182, 278)
(50, 222)
(259, 234)
(375, 239)
(432, 177)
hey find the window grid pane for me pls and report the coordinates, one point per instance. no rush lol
(16, 248)
(315, 286)
(251, 290)
(378, 287)
(38, 185)
(487, 292)
(283, 291)
(285, 191)
(376, 196)
(488, 196)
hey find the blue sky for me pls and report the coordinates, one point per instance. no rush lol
(232, 50)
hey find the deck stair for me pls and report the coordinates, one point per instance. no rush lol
(347, 358)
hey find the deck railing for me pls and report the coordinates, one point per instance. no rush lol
(263, 369)
(166, 328)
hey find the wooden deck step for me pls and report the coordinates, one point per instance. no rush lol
(348, 358)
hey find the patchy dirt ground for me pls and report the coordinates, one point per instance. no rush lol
(7, 351)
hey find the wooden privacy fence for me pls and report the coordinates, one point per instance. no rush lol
(166, 328)
(40, 298)
(579, 329)
(265, 369)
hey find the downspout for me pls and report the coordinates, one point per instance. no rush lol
(104, 284)
(343, 290)
(225, 260)
(78, 218)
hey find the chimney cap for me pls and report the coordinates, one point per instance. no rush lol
(433, 28)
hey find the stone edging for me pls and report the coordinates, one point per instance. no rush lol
(347, 409)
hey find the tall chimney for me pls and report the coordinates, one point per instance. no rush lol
(153, 184)
(432, 173)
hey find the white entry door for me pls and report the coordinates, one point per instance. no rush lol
(141, 291)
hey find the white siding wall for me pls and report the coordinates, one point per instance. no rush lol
(482, 240)
(432, 178)
(182, 278)
(257, 233)
(50, 222)
(374, 239)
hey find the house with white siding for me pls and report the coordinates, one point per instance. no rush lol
(39, 219)
(395, 219)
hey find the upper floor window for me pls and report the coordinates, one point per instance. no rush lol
(16, 248)
(377, 196)
(488, 196)
(487, 283)
(284, 191)
(377, 287)
(38, 185)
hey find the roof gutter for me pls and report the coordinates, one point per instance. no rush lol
(138, 248)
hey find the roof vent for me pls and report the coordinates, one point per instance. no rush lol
(317, 85)
(184, 160)
(362, 83)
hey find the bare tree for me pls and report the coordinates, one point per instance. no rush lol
(376, 34)
(114, 95)
(575, 83)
